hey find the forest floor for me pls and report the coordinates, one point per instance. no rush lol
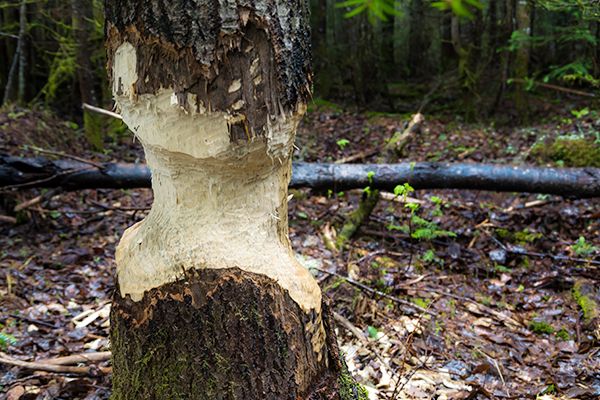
(508, 281)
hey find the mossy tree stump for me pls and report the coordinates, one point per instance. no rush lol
(211, 303)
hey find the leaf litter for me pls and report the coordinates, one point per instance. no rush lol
(503, 297)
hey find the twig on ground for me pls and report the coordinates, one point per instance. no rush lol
(8, 219)
(412, 307)
(35, 200)
(557, 88)
(119, 208)
(43, 180)
(78, 358)
(33, 321)
(69, 156)
(481, 307)
(530, 204)
(350, 327)
(521, 251)
(359, 156)
(399, 199)
(38, 366)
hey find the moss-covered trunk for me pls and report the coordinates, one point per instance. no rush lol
(211, 302)
(223, 334)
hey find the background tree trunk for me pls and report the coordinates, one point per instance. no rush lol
(521, 66)
(211, 303)
(21, 88)
(82, 20)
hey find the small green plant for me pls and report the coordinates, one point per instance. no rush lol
(420, 228)
(428, 256)
(437, 210)
(485, 300)
(580, 113)
(6, 340)
(370, 176)
(540, 327)
(403, 190)
(502, 269)
(342, 143)
(419, 302)
(372, 331)
(302, 215)
(428, 230)
(550, 389)
(582, 248)
(563, 335)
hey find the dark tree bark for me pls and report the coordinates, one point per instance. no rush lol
(211, 302)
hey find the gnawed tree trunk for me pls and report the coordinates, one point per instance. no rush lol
(211, 303)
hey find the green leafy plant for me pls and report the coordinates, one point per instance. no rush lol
(342, 143)
(423, 303)
(403, 190)
(373, 332)
(370, 176)
(428, 230)
(582, 248)
(7, 340)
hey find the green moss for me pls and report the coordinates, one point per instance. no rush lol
(541, 327)
(92, 125)
(563, 335)
(572, 152)
(355, 219)
(423, 303)
(525, 236)
(320, 104)
(588, 306)
(503, 233)
(349, 389)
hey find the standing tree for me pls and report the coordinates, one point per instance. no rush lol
(211, 303)
(83, 24)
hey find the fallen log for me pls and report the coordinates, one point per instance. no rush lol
(21, 173)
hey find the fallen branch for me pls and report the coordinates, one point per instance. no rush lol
(101, 111)
(22, 173)
(40, 366)
(78, 358)
(8, 219)
(408, 306)
(400, 139)
(357, 217)
(557, 88)
(518, 250)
